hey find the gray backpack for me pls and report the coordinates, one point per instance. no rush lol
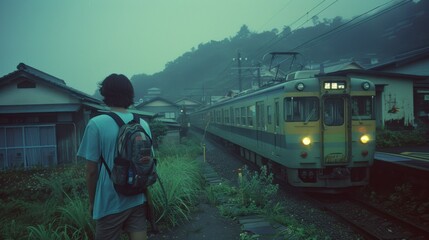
(134, 168)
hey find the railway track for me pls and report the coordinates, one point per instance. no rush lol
(365, 219)
(370, 221)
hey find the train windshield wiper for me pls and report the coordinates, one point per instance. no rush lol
(310, 116)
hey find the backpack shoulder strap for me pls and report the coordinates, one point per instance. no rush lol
(120, 123)
(105, 165)
(117, 119)
(137, 120)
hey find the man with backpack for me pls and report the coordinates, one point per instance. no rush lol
(114, 211)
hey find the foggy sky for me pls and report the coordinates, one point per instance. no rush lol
(83, 41)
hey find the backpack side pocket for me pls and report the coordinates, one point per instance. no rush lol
(120, 171)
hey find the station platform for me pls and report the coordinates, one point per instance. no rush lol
(418, 160)
(401, 166)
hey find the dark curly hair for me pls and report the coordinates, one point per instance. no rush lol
(117, 91)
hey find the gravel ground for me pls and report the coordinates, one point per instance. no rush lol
(297, 203)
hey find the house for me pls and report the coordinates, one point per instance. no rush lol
(42, 120)
(416, 63)
(395, 88)
(394, 96)
(188, 105)
(164, 109)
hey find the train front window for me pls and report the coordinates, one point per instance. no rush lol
(363, 108)
(333, 111)
(301, 109)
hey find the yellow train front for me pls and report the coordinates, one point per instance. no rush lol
(314, 132)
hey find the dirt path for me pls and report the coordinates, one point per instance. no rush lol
(205, 223)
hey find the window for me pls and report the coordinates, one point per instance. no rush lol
(301, 109)
(26, 84)
(363, 107)
(277, 113)
(269, 115)
(243, 116)
(231, 113)
(333, 114)
(27, 146)
(226, 113)
(170, 115)
(237, 116)
(250, 114)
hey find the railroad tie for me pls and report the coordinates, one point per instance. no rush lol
(256, 224)
(210, 175)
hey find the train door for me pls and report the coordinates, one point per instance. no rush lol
(335, 130)
(260, 123)
(277, 132)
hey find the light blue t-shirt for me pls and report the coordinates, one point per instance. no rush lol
(98, 140)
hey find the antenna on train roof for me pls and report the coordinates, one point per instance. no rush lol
(277, 66)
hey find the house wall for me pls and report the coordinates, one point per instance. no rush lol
(66, 127)
(396, 102)
(420, 68)
(161, 107)
(169, 111)
(42, 94)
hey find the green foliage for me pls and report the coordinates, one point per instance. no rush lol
(257, 188)
(75, 214)
(248, 236)
(389, 138)
(43, 232)
(158, 130)
(253, 196)
(182, 182)
(188, 148)
(45, 206)
(53, 203)
(10, 230)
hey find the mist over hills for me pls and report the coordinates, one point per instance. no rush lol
(211, 68)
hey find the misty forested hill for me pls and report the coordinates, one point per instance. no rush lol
(210, 69)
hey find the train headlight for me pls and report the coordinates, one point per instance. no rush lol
(364, 139)
(300, 86)
(366, 85)
(306, 141)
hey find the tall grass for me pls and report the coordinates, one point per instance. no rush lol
(179, 172)
(75, 214)
(53, 203)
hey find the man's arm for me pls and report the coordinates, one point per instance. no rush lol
(91, 182)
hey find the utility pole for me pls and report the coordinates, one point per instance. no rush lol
(259, 74)
(239, 70)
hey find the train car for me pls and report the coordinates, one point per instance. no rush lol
(315, 132)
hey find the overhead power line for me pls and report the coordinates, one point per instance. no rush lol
(259, 51)
(347, 25)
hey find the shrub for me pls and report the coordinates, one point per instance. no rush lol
(389, 138)
(257, 188)
(158, 130)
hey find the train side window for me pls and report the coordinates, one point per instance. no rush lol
(237, 116)
(250, 114)
(301, 109)
(277, 114)
(269, 115)
(243, 116)
(363, 108)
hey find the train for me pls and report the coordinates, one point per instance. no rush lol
(313, 130)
